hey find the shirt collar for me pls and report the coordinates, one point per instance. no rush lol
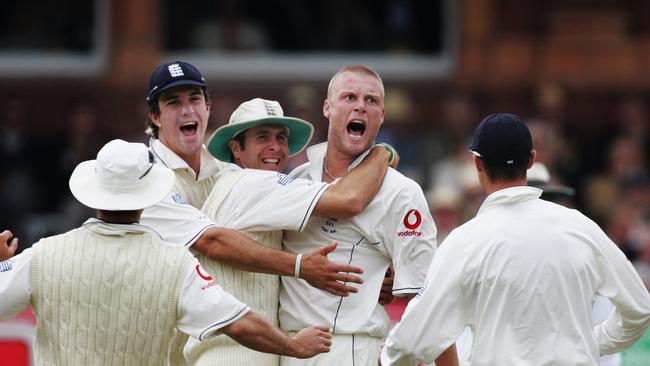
(165, 155)
(111, 229)
(509, 196)
(316, 156)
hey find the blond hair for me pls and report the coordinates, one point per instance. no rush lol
(357, 69)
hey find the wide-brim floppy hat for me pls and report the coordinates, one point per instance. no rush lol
(124, 177)
(539, 177)
(257, 112)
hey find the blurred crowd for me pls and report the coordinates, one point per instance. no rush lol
(608, 167)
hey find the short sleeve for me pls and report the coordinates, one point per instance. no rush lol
(263, 201)
(204, 307)
(408, 232)
(15, 288)
(175, 220)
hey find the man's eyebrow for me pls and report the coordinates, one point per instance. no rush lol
(165, 97)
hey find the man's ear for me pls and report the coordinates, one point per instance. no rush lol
(478, 163)
(326, 108)
(235, 149)
(533, 157)
(154, 118)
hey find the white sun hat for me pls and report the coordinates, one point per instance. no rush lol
(257, 112)
(124, 177)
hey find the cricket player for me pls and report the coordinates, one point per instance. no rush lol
(523, 274)
(179, 108)
(112, 292)
(395, 227)
(258, 137)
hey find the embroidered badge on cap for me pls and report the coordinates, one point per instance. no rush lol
(270, 109)
(175, 70)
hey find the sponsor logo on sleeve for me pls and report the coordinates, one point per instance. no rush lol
(412, 221)
(206, 277)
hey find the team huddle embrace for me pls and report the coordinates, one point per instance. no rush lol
(204, 252)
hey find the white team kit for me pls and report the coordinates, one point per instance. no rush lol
(194, 189)
(203, 307)
(257, 201)
(526, 286)
(395, 227)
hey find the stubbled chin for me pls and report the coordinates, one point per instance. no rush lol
(270, 167)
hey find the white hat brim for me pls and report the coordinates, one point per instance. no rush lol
(85, 187)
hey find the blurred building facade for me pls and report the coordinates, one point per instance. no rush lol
(74, 75)
(580, 69)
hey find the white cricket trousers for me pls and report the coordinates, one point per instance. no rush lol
(346, 350)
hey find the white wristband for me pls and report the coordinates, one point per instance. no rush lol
(296, 269)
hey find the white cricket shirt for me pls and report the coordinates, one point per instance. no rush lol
(203, 307)
(396, 226)
(263, 200)
(260, 201)
(194, 189)
(523, 275)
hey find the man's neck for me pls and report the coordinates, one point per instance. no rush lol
(336, 164)
(119, 217)
(194, 161)
(491, 187)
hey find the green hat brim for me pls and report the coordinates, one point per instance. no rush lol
(300, 133)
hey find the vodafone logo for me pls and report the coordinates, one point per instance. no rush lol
(415, 222)
(205, 276)
(412, 221)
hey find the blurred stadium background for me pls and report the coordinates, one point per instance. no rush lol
(74, 74)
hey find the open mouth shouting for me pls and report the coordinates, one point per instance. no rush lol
(189, 129)
(356, 128)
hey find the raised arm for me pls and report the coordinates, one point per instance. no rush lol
(351, 194)
(235, 249)
(254, 332)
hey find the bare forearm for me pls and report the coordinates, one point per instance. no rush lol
(254, 332)
(236, 250)
(352, 193)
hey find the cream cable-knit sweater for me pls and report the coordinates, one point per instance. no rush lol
(106, 298)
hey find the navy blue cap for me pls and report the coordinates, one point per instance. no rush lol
(502, 139)
(171, 74)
